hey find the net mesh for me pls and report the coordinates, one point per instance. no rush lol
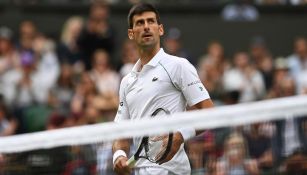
(268, 137)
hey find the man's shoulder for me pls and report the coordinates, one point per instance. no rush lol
(173, 60)
(125, 79)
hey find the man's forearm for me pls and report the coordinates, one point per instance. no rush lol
(121, 144)
(120, 148)
(203, 105)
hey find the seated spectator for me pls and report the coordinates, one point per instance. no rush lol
(8, 125)
(240, 10)
(262, 60)
(296, 164)
(85, 91)
(211, 68)
(173, 44)
(129, 57)
(97, 34)
(281, 75)
(290, 136)
(9, 57)
(202, 153)
(27, 34)
(61, 94)
(235, 160)
(298, 61)
(56, 121)
(259, 145)
(106, 81)
(68, 50)
(244, 78)
(271, 2)
(47, 65)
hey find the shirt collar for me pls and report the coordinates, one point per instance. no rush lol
(153, 62)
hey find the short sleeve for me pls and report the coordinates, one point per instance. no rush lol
(187, 79)
(122, 111)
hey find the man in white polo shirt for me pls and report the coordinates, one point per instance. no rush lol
(158, 80)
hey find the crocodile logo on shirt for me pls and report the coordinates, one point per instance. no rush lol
(155, 79)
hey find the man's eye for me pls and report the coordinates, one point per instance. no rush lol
(151, 21)
(139, 23)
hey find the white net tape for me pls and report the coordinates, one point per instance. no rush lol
(233, 115)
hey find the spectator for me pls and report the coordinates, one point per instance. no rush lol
(244, 78)
(97, 34)
(262, 59)
(297, 2)
(290, 136)
(271, 2)
(8, 125)
(173, 44)
(27, 88)
(298, 61)
(240, 10)
(281, 73)
(129, 57)
(235, 160)
(85, 91)
(68, 50)
(9, 58)
(61, 94)
(92, 115)
(56, 121)
(47, 65)
(106, 81)
(27, 34)
(211, 68)
(259, 145)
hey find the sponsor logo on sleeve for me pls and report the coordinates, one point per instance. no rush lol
(194, 82)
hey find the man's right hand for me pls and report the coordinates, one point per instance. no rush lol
(120, 166)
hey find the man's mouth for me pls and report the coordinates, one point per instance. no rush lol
(147, 35)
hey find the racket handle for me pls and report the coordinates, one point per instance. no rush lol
(131, 162)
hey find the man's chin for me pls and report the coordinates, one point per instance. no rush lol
(148, 45)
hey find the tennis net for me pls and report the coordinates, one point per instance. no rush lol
(270, 135)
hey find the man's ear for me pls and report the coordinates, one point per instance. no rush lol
(130, 34)
(161, 30)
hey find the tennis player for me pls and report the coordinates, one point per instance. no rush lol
(158, 80)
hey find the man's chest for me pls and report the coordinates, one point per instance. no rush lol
(148, 87)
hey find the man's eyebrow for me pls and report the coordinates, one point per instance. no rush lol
(151, 18)
(138, 20)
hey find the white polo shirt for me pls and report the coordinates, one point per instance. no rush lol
(167, 82)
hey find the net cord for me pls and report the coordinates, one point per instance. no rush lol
(232, 115)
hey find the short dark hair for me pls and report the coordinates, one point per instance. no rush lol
(139, 9)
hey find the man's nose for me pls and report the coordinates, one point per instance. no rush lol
(146, 26)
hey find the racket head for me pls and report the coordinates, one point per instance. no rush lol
(157, 147)
(154, 148)
(131, 162)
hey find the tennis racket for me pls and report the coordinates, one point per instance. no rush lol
(153, 148)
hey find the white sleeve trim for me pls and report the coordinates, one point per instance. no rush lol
(197, 100)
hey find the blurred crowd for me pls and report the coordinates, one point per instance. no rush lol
(46, 85)
(162, 2)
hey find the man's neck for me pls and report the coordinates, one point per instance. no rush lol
(147, 54)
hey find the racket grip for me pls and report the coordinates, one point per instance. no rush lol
(131, 162)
